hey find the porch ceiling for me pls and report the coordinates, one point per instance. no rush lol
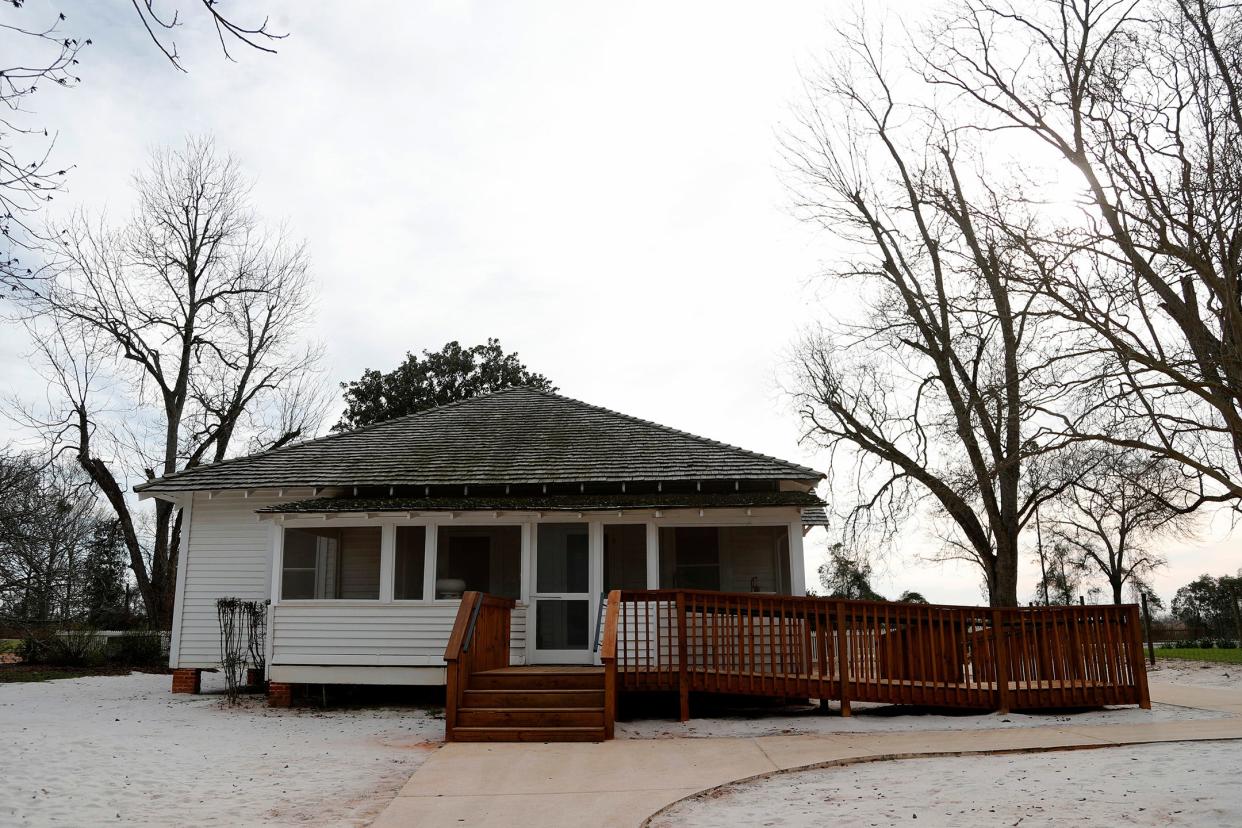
(547, 503)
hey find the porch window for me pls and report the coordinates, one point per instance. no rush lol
(323, 563)
(625, 556)
(408, 571)
(564, 564)
(725, 558)
(482, 558)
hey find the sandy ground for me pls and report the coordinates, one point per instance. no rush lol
(123, 749)
(1196, 673)
(1167, 784)
(875, 718)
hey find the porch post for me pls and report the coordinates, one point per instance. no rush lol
(683, 677)
(431, 539)
(653, 555)
(388, 554)
(797, 560)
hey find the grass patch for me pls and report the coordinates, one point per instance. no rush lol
(9, 645)
(13, 673)
(1233, 656)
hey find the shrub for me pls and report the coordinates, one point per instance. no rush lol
(61, 648)
(138, 647)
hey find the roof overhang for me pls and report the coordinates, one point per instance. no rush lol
(550, 503)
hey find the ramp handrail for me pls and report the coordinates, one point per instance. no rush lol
(924, 654)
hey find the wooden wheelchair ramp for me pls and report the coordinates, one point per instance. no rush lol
(686, 641)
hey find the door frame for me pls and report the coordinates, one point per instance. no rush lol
(595, 577)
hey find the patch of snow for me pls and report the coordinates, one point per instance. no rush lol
(124, 749)
(885, 718)
(1196, 673)
(1144, 785)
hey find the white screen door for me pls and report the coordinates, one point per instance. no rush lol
(562, 594)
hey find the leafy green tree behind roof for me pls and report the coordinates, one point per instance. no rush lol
(452, 374)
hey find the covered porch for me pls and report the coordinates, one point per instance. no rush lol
(368, 590)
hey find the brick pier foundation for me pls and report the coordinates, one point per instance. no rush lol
(279, 694)
(187, 680)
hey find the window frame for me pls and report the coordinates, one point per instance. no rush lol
(385, 542)
(526, 531)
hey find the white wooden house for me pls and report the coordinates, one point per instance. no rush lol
(364, 541)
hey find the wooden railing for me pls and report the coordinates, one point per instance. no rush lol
(868, 651)
(479, 641)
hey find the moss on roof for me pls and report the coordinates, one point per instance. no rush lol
(515, 436)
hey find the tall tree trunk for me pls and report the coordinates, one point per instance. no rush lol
(1004, 586)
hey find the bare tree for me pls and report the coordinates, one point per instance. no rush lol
(1061, 575)
(1113, 511)
(163, 340)
(229, 30)
(937, 395)
(37, 52)
(1141, 103)
(47, 515)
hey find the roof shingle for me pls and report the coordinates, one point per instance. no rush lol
(519, 435)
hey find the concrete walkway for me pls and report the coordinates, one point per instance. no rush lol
(621, 783)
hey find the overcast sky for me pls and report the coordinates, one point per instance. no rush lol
(598, 185)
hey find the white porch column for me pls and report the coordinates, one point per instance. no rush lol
(797, 561)
(388, 556)
(653, 556)
(430, 546)
(595, 558)
(528, 568)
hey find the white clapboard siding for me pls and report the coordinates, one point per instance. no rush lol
(229, 555)
(373, 634)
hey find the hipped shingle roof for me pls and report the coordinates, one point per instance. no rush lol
(519, 435)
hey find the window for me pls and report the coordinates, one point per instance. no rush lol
(727, 558)
(411, 554)
(690, 557)
(564, 564)
(482, 558)
(625, 556)
(331, 563)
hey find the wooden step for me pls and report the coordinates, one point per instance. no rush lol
(548, 680)
(530, 717)
(533, 698)
(528, 734)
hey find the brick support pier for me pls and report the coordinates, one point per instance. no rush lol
(254, 677)
(187, 680)
(279, 694)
